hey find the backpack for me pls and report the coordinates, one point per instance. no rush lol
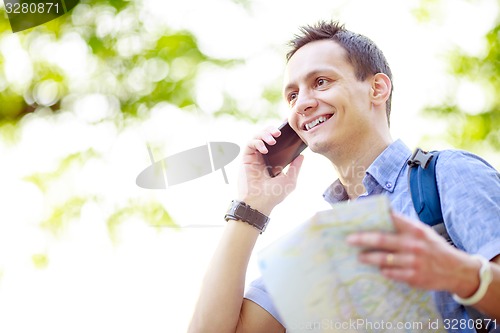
(425, 197)
(424, 191)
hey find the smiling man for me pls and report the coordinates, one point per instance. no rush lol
(338, 86)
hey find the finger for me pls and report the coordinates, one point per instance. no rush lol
(375, 240)
(294, 168)
(398, 274)
(270, 130)
(268, 138)
(256, 160)
(274, 131)
(269, 134)
(413, 228)
(385, 259)
(405, 225)
(255, 145)
(377, 258)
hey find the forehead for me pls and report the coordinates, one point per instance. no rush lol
(316, 56)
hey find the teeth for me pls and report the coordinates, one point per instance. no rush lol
(315, 122)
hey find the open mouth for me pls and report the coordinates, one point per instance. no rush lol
(316, 122)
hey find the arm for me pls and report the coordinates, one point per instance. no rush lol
(469, 190)
(221, 307)
(423, 259)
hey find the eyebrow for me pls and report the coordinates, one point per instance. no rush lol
(307, 77)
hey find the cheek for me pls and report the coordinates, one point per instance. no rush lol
(293, 121)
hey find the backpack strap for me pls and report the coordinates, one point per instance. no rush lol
(425, 197)
(423, 187)
(424, 191)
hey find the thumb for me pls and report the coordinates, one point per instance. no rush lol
(404, 224)
(294, 168)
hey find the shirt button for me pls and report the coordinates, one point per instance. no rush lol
(388, 185)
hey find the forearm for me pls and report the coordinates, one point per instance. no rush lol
(221, 296)
(490, 303)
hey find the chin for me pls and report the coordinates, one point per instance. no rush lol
(319, 147)
(328, 148)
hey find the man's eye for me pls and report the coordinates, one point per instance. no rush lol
(321, 82)
(292, 97)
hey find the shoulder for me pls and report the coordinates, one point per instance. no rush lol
(469, 190)
(456, 157)
(453, 165)
(465, 172)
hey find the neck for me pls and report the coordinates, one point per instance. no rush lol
(351, 164)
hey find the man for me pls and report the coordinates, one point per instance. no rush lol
(344, 80)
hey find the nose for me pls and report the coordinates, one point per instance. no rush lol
(306, 102)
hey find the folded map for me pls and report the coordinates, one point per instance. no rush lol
(318, 284)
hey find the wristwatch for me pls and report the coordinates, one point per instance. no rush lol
(240, 211)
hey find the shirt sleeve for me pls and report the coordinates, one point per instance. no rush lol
(257, 293)
(469, 189)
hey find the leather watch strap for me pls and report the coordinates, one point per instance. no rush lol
(238, 210)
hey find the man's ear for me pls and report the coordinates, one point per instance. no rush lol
(381, 88)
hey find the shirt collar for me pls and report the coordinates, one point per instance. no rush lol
(335, 193)
(383, 172)
(388, 165)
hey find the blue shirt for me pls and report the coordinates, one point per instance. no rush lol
(469, 189)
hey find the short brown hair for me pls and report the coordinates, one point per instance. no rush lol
(362, 53)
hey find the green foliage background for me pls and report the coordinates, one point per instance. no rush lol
(473, 131)
(138, 66)
(134, 64)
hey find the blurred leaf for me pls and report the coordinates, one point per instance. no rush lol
(40, 260)
(247, 4)
(118, 4)
(63, 214)
(273, 93)
(12, 106)
(427, 10)
(8, 132)
(45, 179)
(152, 213)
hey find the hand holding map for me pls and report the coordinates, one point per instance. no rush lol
(318, 284)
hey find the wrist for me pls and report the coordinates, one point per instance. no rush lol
(242, 211)
(469, 280)
(263, 206)
(476, 285)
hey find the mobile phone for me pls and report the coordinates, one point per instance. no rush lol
(287, 147)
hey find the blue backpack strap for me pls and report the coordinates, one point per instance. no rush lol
(423, 187)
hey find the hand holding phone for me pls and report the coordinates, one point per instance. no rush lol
(288, 146)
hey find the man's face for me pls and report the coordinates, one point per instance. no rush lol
(330, 107)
